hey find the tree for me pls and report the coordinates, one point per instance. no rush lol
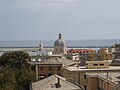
(16, 59)
(18, 63)
(7, 79)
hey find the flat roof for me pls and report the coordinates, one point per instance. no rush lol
(83, 68)
(113, 77)
(98, 61)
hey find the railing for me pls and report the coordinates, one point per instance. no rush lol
(75, 83)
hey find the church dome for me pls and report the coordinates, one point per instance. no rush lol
(59, 41)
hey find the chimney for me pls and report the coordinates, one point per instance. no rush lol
(58, 83)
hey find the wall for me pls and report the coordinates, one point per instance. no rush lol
(48, 69)
(92, 83)
(78, 76)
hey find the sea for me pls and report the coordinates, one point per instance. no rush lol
(50, 43)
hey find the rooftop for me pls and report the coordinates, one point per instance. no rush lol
(116, 62)
(47, 62)
(62, 61)
(81, 50)
(113, 77)
(51, 82)
(98, 61)
(83, 68)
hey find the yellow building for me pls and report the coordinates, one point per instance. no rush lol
(102, 81)
(100, 56)
(91, 54)
(48, 67)
(97, 64)
(78, 73)
(106, 53)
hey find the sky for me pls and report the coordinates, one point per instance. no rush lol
(45, 19)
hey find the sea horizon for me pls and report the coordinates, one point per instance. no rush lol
(50, 43)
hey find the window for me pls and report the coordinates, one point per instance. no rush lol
(101, 64)
(41, 68)
(50, 68)
(95, 64)
(86, 64)
(106, 55)
(58, 68)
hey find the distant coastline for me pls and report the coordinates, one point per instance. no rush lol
(67, 47)
(50, 43)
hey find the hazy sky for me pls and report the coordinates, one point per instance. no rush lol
(44, 19)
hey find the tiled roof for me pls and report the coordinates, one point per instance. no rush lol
(67, 62)
(48, 62)
(81, 51)
(50, 84)
(55, 61)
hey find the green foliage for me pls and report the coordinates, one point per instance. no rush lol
(7, 79)
(16, 65)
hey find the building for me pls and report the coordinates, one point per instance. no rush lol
(116, 55)
(90, 54)
(73, 56)
(54, 82)
(106, 53)
(117, 51)
(45, 68)
(97, 64)
(77, 73)
(40, 46)
(43, 55)
(60, 46)
(80, 54)
(103, 81)
(80, 51)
